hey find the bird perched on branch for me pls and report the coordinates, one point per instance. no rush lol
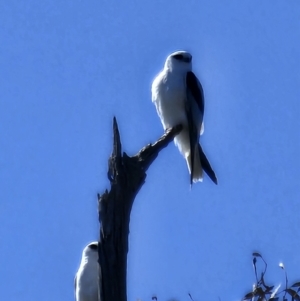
(87, 277)
(178, 97)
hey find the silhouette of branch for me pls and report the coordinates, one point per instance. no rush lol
(126, 175)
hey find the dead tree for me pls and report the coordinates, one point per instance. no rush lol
(126, 175)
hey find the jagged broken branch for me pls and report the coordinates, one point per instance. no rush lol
(126, 175)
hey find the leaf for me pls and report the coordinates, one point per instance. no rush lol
(293, 294)
(191, 297)
(248, 296)
(275, 291)
(296, 284)
(269, 288)
(256, 254)
(274, 299)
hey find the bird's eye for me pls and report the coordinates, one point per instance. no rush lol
(93, 246)
(178, 57)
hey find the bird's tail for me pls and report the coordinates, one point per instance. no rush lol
(206, 165)
(197, 168)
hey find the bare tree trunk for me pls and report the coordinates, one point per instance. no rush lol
(126, 175)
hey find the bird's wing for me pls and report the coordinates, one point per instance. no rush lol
(195, 89)
(194, 107)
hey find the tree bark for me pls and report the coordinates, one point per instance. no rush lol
(126, 175)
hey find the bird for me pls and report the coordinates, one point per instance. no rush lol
(178, 97)
(87, 276)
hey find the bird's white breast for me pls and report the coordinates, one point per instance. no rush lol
(87, 282)
(168, 94)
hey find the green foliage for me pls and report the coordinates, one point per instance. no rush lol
(263, 292)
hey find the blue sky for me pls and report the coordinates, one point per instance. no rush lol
(68, 67)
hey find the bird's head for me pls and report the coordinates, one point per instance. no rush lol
(179, 60)
(91, 250)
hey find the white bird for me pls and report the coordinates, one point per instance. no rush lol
(87, 277)
(178, 97)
